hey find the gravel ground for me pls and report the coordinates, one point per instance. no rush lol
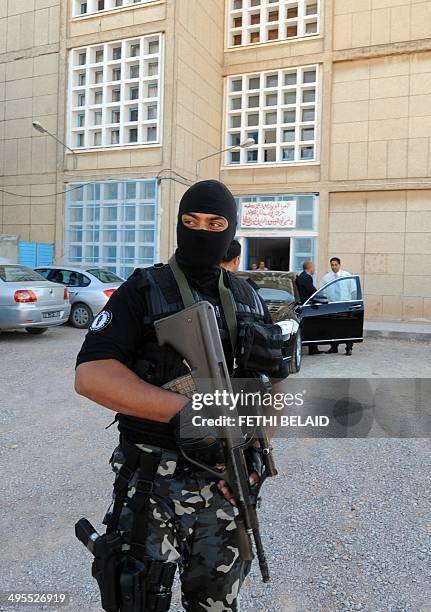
(344, 525)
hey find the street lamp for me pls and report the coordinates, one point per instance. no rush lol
(40, 128)
(249, 142)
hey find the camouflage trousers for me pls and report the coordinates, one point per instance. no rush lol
(190, 523)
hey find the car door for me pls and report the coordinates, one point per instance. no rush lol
(335, 313)
(75, 282)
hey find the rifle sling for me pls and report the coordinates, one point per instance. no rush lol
(226, 298)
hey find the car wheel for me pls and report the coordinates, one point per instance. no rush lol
(81, 316)
(36, 331)
(295, 364)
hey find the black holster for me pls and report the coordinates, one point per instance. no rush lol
(146, 585)
(126, 584)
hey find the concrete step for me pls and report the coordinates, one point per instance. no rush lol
(398, 329)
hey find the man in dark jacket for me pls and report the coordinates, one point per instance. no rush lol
(306, 289)
(304, 281)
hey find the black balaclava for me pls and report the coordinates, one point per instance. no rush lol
(200, 252)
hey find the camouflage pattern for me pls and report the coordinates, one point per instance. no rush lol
(190, 523)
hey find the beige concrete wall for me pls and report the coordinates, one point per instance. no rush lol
(195, 101)
(29, 42)
(198, 94)
(362, 23)
(385, 236)
(381, 118)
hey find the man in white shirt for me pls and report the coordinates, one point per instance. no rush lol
(339, 292)
(337, 272)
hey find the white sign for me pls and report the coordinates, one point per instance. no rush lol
(268, 215)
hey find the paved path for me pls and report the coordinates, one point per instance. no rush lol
(344, 524)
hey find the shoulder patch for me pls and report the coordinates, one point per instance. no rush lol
(101, 321)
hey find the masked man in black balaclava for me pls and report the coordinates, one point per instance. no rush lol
(166, 513)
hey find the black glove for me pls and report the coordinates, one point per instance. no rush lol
(201, 442)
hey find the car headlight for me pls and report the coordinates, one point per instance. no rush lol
(287, 327)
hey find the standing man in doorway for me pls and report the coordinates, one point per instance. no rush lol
(232, 259)
(336, 272)
(306, 288)
(262, 267)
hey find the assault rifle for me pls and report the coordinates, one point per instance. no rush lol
(194, 334)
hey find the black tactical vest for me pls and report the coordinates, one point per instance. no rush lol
(159, 365)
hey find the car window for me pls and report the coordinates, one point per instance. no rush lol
(18, 274)
(342, 290)
(78, 280)
(269, 294)
(57, 276)
(42, 272)
(69, 278)
(105, 276)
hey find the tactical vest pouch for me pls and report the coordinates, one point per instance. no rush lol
(259, 347)
(146, 586)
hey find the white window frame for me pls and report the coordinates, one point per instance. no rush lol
(244, 130)
(107, 86)
(109, 7)
(102, 224)
(263, 28)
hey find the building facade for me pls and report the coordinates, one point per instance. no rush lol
(335, 94)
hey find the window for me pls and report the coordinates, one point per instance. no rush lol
(134, 50)
(252, 21)
(284, 110)
(134, 71)
(109, 67)
(123, 235)
(98, 117)
(94, 6)
(342, 290)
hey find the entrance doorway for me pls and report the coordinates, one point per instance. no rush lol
(275, 252)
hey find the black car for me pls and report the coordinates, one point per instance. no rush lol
(335, 313)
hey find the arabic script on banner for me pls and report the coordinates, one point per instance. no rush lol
(268, 214)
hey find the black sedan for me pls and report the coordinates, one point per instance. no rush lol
(335, 313)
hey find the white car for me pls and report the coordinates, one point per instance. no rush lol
(89, 289)
(29, 301)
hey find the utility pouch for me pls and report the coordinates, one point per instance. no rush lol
(146, 585)
(259, 347)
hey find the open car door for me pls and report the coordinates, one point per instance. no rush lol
(335, 313)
